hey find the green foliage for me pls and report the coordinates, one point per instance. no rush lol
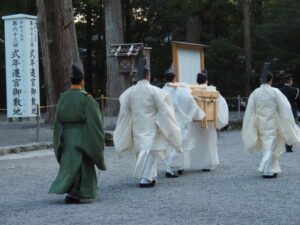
(224, 63)
(277, 37)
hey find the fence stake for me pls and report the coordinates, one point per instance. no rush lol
(239, 107)
(102, 105)
(38, 124)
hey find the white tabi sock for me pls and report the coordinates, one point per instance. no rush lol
(145, 181)
(169, 170)
(268, 174)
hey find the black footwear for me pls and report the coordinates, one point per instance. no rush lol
(206, 170)
(270, 176)
(70, 200)
(171, 175)
(152, 184)
(180, 172)
(289, 148)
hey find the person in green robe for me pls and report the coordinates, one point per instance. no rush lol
(78, 142)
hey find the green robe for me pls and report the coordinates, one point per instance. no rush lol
(78, 144)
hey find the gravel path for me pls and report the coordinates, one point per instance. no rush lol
(234, 194)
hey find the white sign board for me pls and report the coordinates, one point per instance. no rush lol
(189, 65)
(22, 65)
(188, 61)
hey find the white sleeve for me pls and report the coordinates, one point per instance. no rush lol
(223, 112)
(249, 131)
(123, 139)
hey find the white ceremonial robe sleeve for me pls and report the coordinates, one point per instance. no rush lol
(123, 139)
(249, 131)
(223, 112)
(165, 120)
(189, 106)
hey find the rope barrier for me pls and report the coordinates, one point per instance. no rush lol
(110, 98)
(106, 98)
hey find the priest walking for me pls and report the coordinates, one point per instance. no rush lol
(268, 124)
(146, 126)
(204, 154)
(186, 111)
(78, 142)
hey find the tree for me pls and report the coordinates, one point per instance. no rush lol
(116, 83)
(194, 23)
(59, 47)
(247, 45)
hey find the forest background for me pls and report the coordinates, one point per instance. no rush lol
(242, 35)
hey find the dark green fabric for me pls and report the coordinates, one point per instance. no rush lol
(78, 144)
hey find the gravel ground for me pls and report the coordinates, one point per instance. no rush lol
(233, 194)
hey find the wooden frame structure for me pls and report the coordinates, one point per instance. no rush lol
(177, 46)
(207, 101)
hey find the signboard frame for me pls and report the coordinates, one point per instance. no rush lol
(177, 46)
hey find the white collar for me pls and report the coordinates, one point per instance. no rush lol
(144, 81)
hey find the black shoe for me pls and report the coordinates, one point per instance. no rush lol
(270, 176)
(180, 172)
(152, 184)
(171, 175)
(289, 148)
(70, 200)
(206, 170)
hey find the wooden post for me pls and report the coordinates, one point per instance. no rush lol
(102, 106)
(239, 106)
(38, 123)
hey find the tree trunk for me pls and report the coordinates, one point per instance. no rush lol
(247, 45)
(127, 15)
(116, 83)
(101, 78)
(59, 47)
(193, 26)
(89, 71)
(193, 29)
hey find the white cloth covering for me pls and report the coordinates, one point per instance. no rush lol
(204, 154)
(186, 110)
(146, 123)
(268, 123)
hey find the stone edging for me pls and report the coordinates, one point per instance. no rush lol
(25, 148)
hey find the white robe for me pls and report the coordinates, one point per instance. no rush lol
(204, 154)
(186, 110)
(146, 123)
(268, 123)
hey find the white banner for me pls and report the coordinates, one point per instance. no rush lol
(22, 65)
